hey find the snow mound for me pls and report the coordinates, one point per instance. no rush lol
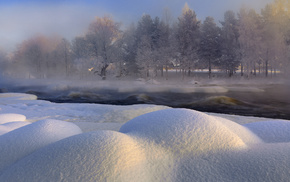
(7, 127)
(164, 145)
(17, 96)
(94, 156)
(244, 133)
(184, 131)
(271, 131)
(10, 117)
(23, 141)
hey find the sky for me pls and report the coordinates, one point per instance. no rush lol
(21, 19)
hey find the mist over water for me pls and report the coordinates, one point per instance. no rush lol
(261, 99)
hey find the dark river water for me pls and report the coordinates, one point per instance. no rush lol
(271, 101)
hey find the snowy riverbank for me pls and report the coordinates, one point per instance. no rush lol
(45, 141)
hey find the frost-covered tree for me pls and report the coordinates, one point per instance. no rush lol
(275, 49)
(146, 38)
(81, 56)
(165, 47)
(281, 16)
(230, 58)
(250, 39)
(161, 45)
(145, 55)
(152, 39)
(34, 54)
(64, 55)
(188, 38)
(210, 42)
(102, 34)
(129, 49)
(4, 63)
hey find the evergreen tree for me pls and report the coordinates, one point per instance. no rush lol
(230, 44)
(188, 38)
(130, 49)
(144, 40)
(144, 55)
(210, 43)
(151, 37)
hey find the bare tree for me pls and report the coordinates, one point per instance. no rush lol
(102, 34)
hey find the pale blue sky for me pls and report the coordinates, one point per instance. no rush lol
(23, 18)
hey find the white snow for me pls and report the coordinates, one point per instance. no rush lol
(271, 131)
(96, 113)
(21, 142)
(184, 131)
(154, 143)
(7, 127)
(10, 117)
(95, 156)
(6, 98)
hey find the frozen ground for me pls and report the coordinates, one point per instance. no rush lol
(44, 141)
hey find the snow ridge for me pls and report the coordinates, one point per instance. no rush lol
(163, 145)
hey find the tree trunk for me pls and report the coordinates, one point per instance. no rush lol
(147, 72)
(271, 71)
(166, 72)
(183, 74)
(255, 72)
(104, 71)
(266, 64)
(209, 69)
(231, 72)
(242, 69)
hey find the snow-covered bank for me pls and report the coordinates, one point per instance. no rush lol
(44, 141)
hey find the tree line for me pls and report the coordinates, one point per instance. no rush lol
(250, 42)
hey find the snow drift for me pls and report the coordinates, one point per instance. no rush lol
(184, 131)
(163, 145)
(25, 140)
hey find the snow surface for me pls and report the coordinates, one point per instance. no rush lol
(22, 141)
(44, 141)
(271, 131)
(6, 118)
(7, 127)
